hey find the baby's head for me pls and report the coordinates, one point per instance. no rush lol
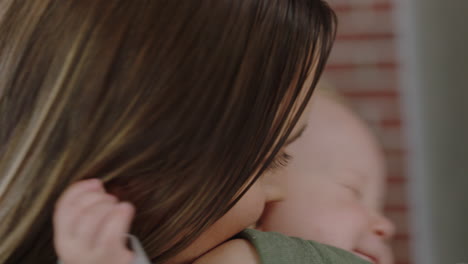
(335, 185)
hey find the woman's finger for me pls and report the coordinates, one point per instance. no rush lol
(77, 189)
(92, 221)
(64, 209)
(67, 217)
(117, 226)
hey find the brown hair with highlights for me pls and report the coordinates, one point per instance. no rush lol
(170, 103)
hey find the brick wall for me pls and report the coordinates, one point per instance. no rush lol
(363, 67)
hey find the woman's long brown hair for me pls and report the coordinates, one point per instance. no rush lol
(177, 105)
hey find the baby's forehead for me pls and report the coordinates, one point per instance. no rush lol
(329, 115)
(339, 146)
(336, 135)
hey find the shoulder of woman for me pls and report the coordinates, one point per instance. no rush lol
(236, 251)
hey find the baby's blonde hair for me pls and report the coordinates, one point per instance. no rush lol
(326, 89)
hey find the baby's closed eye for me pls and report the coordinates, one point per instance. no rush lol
(353, 189)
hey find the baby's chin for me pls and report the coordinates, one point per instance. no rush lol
(370, 258)
(377, 253)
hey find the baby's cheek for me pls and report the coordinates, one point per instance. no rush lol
(338, 224)
(250, 207)
(355, 223)
(339, 228)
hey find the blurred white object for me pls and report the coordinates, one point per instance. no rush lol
(434, 56)
(140, 255)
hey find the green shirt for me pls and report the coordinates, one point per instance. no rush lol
(275, 248)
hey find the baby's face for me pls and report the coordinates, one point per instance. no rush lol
(334, 186)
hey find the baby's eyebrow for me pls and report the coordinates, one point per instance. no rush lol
(296, 136)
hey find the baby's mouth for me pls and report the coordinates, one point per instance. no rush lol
(366, 256)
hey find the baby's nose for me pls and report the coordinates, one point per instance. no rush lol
(383, 227)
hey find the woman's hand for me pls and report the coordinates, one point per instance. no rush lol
(90, 226)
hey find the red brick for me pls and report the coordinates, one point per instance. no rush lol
(401, 237)
(395, 152)
(374, 110)
(365, 21)
(383, 65)
(391, 123)
(371, 94)
(376, 7)
(396, 197)
(363, 79)
(401, 250)
(363, 36)
(398, 208)
(400, 220)
(396, 180)
(364, 53)
(356, 2)
(396, 165)
(392, 137)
